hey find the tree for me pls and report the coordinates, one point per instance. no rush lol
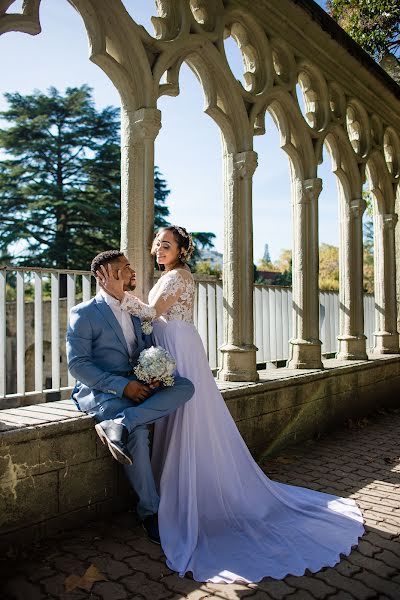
(328, 267)
(161, 193)
(375, 25)
(60, 183)
(201, 240)
(59, 186)
(266, 257)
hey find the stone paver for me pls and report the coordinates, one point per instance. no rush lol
(362, 462)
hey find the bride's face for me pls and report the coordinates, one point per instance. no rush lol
(167, 249)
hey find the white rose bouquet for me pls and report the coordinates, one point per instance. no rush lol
(155, 363)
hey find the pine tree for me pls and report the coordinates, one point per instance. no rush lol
(60, 181)
(59, 185)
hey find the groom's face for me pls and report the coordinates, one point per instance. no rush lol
(127, 274)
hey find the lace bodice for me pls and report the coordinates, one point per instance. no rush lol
(172, 297)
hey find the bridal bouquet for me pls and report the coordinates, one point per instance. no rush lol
(147, 327)
(155, 363)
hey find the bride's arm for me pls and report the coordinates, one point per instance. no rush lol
(170, 289)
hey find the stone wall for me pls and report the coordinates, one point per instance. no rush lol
(55, 473)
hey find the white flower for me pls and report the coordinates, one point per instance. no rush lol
(155, 363)
(147, 327)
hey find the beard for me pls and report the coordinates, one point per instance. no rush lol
(130, 287)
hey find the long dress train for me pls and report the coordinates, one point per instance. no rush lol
(220, 516)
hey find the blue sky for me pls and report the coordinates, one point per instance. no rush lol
(189, 157)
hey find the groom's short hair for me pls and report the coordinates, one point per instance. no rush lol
(104, 258)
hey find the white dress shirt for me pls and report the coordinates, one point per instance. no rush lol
(124, 319)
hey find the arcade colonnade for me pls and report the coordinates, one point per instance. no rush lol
(351, 106)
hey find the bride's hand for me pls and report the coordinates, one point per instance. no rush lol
(111, 284)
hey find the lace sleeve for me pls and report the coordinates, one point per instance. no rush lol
(138, 308)
(171, 288)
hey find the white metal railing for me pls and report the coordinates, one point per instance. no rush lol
(35, 321)
(32, 329)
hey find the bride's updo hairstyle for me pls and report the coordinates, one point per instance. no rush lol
(182, 238)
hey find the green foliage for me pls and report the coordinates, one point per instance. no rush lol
(204, 267)
(59, 186)
(60, 183)
(368, 271)
(201, 240)
(374, 24)
(161, 193)
(328, 267)
(285, 278)
(267, 265)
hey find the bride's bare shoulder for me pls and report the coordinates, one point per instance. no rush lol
(183, 272)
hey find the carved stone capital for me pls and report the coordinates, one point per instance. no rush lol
(308, 191)
(357, 207)
(147, 123)
(245, 163)
(390, 220)
(313, 187)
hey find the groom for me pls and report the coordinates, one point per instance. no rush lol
(103, 346)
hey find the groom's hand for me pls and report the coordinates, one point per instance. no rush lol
(137, 391)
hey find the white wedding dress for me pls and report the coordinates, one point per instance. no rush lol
(220, 517)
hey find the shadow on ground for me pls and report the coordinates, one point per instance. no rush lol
(361, 461)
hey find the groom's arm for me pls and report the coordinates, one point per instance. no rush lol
(80, 361)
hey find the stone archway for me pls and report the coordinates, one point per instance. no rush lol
(275, 59)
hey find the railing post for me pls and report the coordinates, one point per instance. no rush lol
(351, 338)
(55, 332)
(20, 332)
(305, 346)
(238, 350)
(70, 304)
(38, 332)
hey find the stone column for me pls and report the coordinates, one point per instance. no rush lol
(386, 335)
(139, 129)
(305, 346)
(238, 350)
(397, 246)
(352, 341)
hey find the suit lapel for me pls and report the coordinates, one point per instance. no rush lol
(139, 334)
(111, 319)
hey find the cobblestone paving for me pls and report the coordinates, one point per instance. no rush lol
(361, 461)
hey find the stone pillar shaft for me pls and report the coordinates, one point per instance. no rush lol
(305, 346)
(352, 341)
(238, 350)
(386, 335)
(139, 130)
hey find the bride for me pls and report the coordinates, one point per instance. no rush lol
(220, 517)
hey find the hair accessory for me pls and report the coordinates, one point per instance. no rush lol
(185, 253)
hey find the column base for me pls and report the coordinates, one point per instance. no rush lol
(238, 363)
(386, 342)
(305, 354)
(352, 347)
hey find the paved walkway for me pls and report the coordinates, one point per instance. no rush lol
(362, 461)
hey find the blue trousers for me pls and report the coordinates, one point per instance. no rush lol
(136, 417)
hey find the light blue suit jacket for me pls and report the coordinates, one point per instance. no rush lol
(97, 353)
